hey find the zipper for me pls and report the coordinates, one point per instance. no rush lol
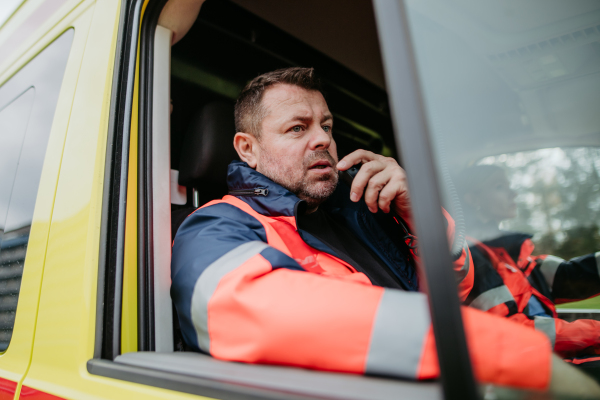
(409, 239)
(250, 192)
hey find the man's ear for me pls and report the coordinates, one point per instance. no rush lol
(247, 148)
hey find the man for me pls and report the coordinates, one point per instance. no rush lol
(291, 268)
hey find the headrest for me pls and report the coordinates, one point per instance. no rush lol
(207, 147)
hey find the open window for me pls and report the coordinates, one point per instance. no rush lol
(229, 45)
(181, 160)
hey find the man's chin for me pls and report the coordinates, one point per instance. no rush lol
(318, 192)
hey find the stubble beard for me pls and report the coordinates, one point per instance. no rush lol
(313, 191)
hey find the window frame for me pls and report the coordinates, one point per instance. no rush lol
(410, 131)
(112, 231)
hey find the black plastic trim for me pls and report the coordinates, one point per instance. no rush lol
(146, 324)
(112, 231)
(415, 145)
(105, 231)
(186, 384)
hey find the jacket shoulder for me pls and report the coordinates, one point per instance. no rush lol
(212, 231)
(221, 216)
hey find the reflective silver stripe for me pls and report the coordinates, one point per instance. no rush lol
(464, 270)
(399, 331)
(598, 262)
(491, 298)
(546, 325)
(549, 267)
(208, 281)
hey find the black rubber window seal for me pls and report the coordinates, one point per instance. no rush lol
(112, 231)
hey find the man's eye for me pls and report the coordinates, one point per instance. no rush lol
(297, 128)
(327, 128)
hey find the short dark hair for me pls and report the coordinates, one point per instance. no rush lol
(249, 112)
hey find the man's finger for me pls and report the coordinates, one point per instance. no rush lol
(356, 157)
(374, 188)
(362, 178)
(394, 188)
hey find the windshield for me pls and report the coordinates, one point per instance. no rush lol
(512, 91)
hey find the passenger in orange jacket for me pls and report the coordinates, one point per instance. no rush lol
(513, 283)
(291, 268)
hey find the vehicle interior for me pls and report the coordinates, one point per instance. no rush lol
(206, 80)
(547, 60)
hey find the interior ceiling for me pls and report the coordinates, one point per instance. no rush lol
(514, 16)
(346, 34)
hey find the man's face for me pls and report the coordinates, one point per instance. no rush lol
(296, 149)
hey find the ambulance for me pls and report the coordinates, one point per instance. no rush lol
(116, 122)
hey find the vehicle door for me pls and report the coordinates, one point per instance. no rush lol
(39, 64)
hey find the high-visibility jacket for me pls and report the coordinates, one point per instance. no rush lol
(249, 286)
(507, 276)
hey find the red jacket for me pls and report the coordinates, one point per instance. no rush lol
(250, 287)
(507, 276)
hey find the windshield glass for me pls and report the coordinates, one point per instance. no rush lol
(556, 197)
(512, 91)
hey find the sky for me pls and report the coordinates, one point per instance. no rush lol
(6, 9)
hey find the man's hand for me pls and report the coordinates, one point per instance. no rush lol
(382, 181)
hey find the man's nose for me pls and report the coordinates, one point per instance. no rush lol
(319, 139)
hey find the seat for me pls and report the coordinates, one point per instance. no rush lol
(206, 151)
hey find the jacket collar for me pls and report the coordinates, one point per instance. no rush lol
(280, 201)
(277, 202)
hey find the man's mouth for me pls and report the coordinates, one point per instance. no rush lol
(321, 164)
